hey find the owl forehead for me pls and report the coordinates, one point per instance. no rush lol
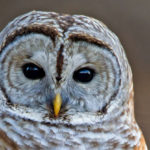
(56, 25)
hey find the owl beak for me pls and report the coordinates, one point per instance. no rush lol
(57, 104)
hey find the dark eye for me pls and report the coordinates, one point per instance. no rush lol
(83, 75)
(32, 71)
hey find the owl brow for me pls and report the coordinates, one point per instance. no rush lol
(48, 31)
(89, 39)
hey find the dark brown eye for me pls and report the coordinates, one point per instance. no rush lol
(32, 71)
(83, 75)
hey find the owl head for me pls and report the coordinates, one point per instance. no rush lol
(57, 66)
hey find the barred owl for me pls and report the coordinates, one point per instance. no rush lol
(65, 83)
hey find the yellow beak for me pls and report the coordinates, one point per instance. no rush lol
(57, 104)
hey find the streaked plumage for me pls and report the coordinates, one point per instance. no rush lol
(98, 114)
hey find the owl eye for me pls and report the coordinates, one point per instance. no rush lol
(32, 71)
(84, 75)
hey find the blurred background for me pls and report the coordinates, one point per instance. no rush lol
(129, 19)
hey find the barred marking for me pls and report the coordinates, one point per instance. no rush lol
(59, 64)
(7, 142)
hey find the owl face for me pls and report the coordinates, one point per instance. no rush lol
(31, 73)
(40, 60)
(65, 83)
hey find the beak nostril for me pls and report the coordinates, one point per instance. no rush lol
(58, 78)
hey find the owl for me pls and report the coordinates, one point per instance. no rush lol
(65, 84)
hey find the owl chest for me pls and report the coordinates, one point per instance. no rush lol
(22, 135)
(32, 136)
(91, 138)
